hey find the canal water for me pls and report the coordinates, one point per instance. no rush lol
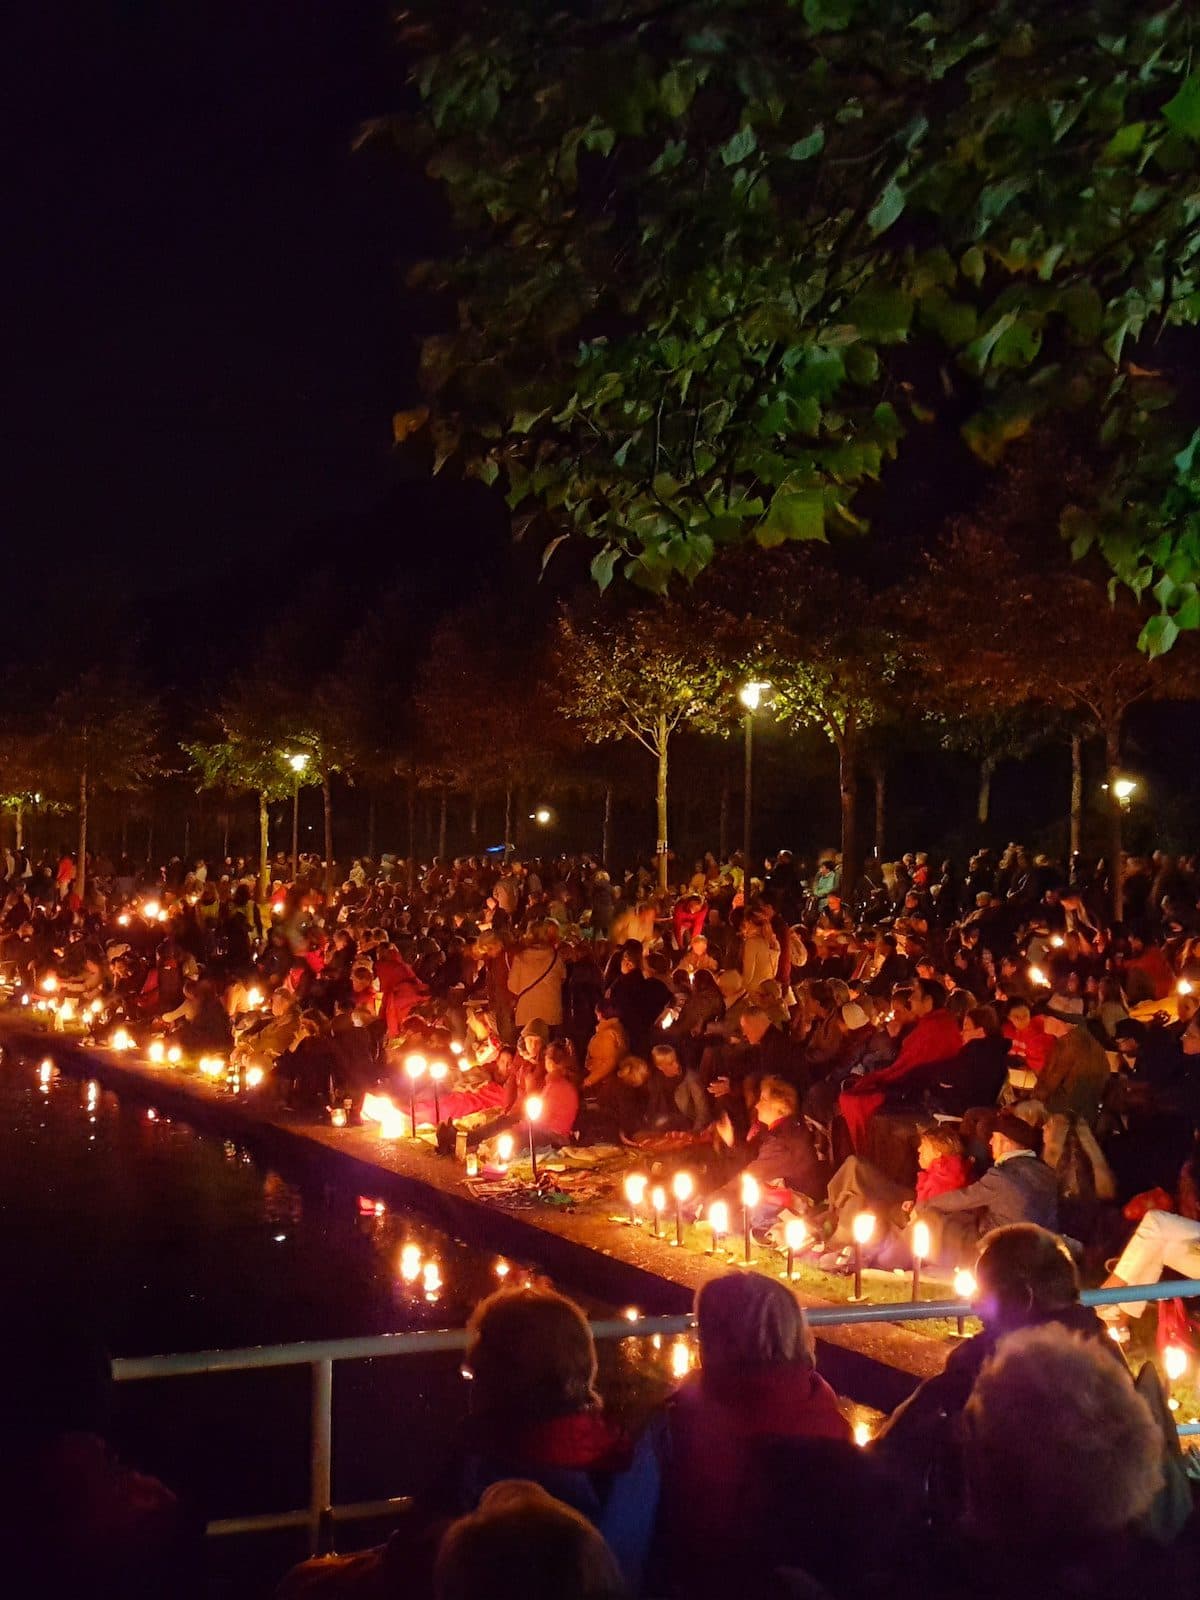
(159, 1238)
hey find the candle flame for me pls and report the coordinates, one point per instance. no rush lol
(1036, 975)
(122, 1039)
(505, 1145)
(438, 1070)
(1175, 1362)
(635, 1188)
(1183, 987)
(863, 1227)
(750, 1190)
(964, 1284)
(795, 1234)
(682, 1185)
(157, 1051)
(254, 1076)
(921, 1242)
(681, 1359)
(414, 1066)
(718, 1215)
(658, 1197)
(534, 1106)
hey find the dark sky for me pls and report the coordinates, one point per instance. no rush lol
(206, 330)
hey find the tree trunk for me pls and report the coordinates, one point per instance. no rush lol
(19, 825)
(187, 837)
(1076, 795)
(880, 777)
(473, 818)
(661, 802)
(441, 842)
(747, 797)
(224, 837)
(264, 844)
(508, 803)
(606, 835)
(412, 831)
(371, 826)
(1112, 763)
(723, 825)
(848, 794)
(987, 768)
(327, 803)
(81, 872)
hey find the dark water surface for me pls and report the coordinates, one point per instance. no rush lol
(159, 1238)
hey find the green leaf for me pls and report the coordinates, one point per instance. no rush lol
(953, 321)
(676, 90)
(1183, 112)
(603, 565)
(829, 16)
(1157, 637)
(996, 198)
(743, 143)
(979, 351)
(793, 514)
(1084, 310)
(886, 209)
(1127, 141)
(974, 264)
(883, 315)
(1187, 618)
(805, 149)
(1185, 461)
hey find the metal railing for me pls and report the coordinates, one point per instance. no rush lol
(320, 1356)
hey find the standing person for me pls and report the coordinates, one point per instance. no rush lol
(536, 977)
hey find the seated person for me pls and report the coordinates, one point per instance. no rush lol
(676, 1099)
(1028, 1038)
(778, 1152)
(607, 1048)
(858, 1186)
(757, 1379)
(978, 1073)
(935, 1037)
(1018, 1187)
(523, 1542)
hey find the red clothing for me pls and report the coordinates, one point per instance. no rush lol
(399, 991)
(947, 1173)
(714, 1423)
(1032, 1044)
(689, 920)
(560, 1107)
(936, 1037)
(1152, 964)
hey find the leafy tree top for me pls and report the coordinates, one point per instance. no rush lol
(720, 256)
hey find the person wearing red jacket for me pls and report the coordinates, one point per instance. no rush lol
(935, 1037)
(757, 1380)
(1028, 1037)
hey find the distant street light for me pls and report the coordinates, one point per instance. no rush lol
(542, 815)
(297, 762)
(750, 694)
(1124, 789)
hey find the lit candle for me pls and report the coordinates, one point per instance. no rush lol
(505, 1145)
(437, 1071)
(863, 1229)
(1175, 1363)
(533, 1111)
(718, 1215)
(1036, 975)
(658, 1204)
(964, 1288)
(920, 1252)
(410, 1263)
(472, 1164)
(255, 1076)
(635, 1193)
(157, 1052)
(862, 1435)
(795, 1236)
(1183, 987)
(681, 1188)
(337, 1117)
(750, 1198)
(414, 1067)
(681, 1359)
(174, 1055)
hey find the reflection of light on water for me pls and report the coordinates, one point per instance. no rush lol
(410, 1263)
(46, 1071)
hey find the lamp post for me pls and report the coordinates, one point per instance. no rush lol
(750, 694)
(297, 763)
(1121, 791)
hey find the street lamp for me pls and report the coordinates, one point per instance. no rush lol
(542, 816)
(297, 763)
(1124, 789)
(1120, 792)
(750, 694)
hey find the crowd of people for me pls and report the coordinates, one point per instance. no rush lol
(1035, 1463)
(983, 1055)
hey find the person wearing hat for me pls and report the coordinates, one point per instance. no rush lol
(1017, 1187)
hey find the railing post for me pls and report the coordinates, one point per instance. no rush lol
(321, 1457)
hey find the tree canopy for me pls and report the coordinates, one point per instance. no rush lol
(718, 259)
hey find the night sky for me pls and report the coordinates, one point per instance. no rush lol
(207, 329)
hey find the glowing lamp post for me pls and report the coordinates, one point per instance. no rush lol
(297, 763)
(534, 1106)
(658, 1204)
(863, 1229)
(635, 1194)
(795, 1237)
(718, 1215)
(921, 1245)
(750, 1198)
(414, 1069)
(681, 1188)
(750, 694)
(965, 1288)
(437, 1074)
